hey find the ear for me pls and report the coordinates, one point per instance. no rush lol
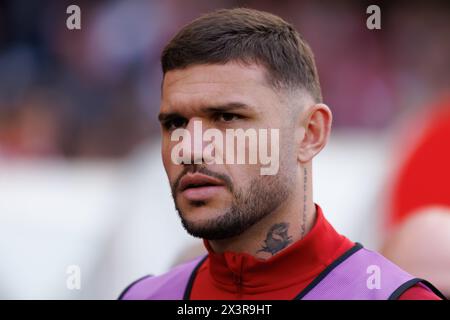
(313, 131)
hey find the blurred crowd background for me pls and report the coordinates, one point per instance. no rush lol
(95, 92)
(80, 175)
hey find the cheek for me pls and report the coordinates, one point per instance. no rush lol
(165, 153)
(243, 174)
(287, 147)
(169, 166)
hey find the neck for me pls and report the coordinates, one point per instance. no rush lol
(291, 222)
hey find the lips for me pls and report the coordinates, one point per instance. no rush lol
(200, 187)
(198, 180)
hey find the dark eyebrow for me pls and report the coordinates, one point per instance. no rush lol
(232, 106)
(228, 107)
(163, 116)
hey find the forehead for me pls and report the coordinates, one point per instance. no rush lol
(216, 84)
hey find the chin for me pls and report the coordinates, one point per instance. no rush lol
(202, 209)
(196, 212)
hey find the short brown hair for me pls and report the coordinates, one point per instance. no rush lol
(248, 36)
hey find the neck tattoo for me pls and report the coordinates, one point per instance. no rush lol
(277, 238)
(305, 179)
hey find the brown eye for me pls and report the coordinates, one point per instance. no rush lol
(174, 123)
(228, 117)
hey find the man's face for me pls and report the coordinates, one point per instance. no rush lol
(218, 201)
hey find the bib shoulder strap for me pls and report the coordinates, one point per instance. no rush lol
(169, 286)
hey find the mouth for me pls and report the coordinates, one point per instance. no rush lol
(200, 187)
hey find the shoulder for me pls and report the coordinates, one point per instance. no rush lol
(381, 273)
(364, 275)
(123, 295)
(418, 292)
